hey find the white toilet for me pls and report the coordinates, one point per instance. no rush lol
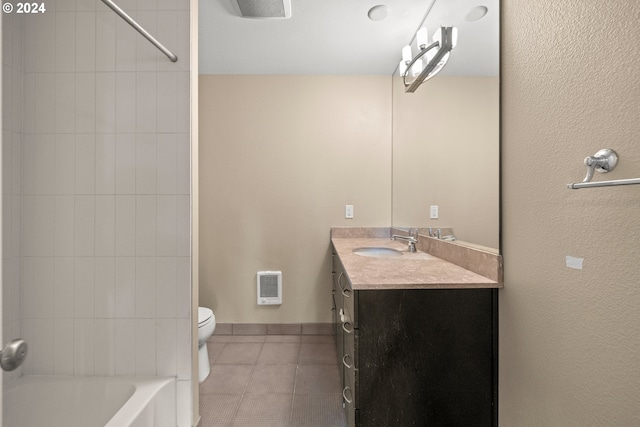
(206, 325)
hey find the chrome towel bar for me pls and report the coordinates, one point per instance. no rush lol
(603, 161)
(139, 29)
(613, 183)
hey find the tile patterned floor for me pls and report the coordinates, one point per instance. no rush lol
(272, 380)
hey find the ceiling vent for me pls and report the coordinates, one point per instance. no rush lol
(263, 8)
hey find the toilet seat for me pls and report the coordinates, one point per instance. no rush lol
(204, 316)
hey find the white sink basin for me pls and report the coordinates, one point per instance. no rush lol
(378, 252)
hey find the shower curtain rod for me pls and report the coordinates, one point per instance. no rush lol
(139, 29)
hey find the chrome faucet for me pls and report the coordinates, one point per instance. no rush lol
(411, 240)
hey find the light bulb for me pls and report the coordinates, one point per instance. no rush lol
(416, 68)
(454, 37)
(422, 38)
(402, 68)
(406, 53)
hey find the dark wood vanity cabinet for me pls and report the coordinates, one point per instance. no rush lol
(416, 357)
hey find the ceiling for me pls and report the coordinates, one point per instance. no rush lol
(337, 37)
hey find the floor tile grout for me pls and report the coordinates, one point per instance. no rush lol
(313, 404)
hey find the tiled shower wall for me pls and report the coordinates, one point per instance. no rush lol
(105, 220)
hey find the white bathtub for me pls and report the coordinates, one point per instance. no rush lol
(37, 401)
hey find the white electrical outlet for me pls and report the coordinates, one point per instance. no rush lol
(348, 211)
(433, 212)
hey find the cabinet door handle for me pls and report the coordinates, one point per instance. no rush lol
(349, 329)
(346, 293)
(340, 280)
(344, 395)
(344, 361)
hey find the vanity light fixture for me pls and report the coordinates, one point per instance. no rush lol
(431, 58)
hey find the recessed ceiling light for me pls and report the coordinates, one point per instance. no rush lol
(476, 13)
(378, 13)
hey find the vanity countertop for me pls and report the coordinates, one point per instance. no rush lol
(418, 270)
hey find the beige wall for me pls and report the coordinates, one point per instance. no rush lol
(570, 339)
(446, 153)
(280, 156)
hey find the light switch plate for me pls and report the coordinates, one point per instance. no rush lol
(348, 211)
(433, 212)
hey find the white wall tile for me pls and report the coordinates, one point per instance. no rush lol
(148, 55)
(85, 163)
(183, 215)
(29, 99)
(167, 101)
(105, 180)
(105, 235)
(44, 48)
(125, 226)
(184, 40)
(167, 164)
(65, 41)
(38, 226)
(64, 278)
(83, 347)
(85, 5)
(183, 164)
(145, 287)
(145, 348)
(106, 102)
(125, 99)
(63, 346)
(84, 288)
(166, 351)
(27, 288)
(85, 41)
(183, 287)
(64, 215)
(167, 288)
(146, 225)
(42, 347)
(84, 226)
(85, 110)
(43, 287)
(105, 294)
(104, 351)
(125, 45)
(125, 347)
(167, 226)
(106, 40)
(65, 164)
(125, 164)
(183, 120)
(27, 332)
(146, 163)
(45, 102)
(146, 102)
(39, 163)
(125, 287)
(168, 32)
(65, 103)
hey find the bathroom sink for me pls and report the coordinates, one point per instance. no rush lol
(378, 252)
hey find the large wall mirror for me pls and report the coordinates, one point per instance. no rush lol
(446, 134)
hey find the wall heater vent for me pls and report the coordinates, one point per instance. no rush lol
(269, 287)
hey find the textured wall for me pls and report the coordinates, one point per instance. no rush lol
(569, 339)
